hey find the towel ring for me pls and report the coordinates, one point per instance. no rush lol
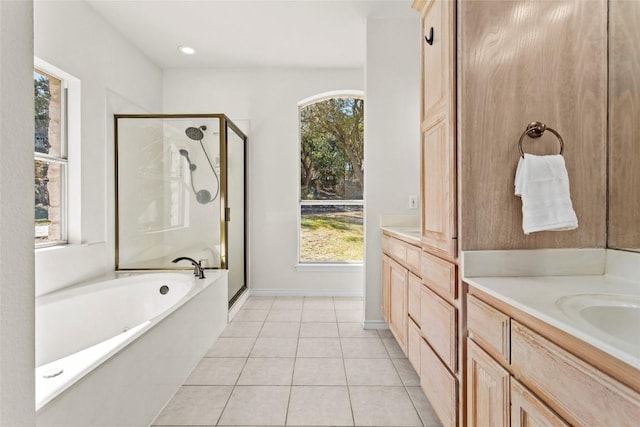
(535, 130)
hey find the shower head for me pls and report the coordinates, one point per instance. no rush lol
(195, 134)
(185, 153)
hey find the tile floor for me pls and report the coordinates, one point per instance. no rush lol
(301, 362)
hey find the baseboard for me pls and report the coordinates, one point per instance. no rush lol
(235, 308)
(375, 324)
(304, 293)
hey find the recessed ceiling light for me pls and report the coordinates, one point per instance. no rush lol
(187, 50)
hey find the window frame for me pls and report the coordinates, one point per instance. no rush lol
(62, 159)
(323, 265)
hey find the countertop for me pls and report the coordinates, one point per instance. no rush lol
(545, 296)
(408, 233)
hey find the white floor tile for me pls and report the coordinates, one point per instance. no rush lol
(407, 373)
(197, 405)
(371, 372)
(318, 303)
(251, 315)
(319, 406)
(284, 316)
(216, 371)
(349, 315)
(242, 330)
(274, 347)
(319, 347)
(256, 405)
(424, 408)
(280, 330)
(393, 348)
(258, 303)
(231, 347)
(319, 371)
(313, 315)
(267, 371)
(319, 330)
(382, 406)
(361, 348)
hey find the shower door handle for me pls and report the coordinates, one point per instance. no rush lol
(227, 214)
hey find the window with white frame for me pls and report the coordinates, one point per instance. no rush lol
(50, 155)
(332, 179)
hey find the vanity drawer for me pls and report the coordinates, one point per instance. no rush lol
(439, 275)
(489, 328)
(576, 390)
(398, 250)
(413, 345)
(413, 258)
(439, 385)
(439, 326)
(385, 243)
(413, 297)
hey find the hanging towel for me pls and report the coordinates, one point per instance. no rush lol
(542, 183)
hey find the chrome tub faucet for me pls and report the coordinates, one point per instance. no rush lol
(198, 270)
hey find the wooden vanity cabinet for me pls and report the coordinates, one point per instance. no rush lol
(400, 263)
(541, 383)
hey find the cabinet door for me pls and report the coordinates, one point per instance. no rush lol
(487, 390)
(528, 411)
(398, 315)
(438, 58)
(386, 281)
(438, 171)
(438, 111)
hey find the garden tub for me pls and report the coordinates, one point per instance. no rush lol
(113, 351)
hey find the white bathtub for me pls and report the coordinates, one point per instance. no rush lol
(113, 351)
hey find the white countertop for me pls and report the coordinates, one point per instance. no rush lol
(408, 232)
(541, 297)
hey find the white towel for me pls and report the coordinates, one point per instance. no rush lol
(543, 184)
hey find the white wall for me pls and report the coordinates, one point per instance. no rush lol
(71, 36)
(268, 99)
(392, 138)
(16, 215)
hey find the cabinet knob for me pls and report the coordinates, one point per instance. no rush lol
(429, 39)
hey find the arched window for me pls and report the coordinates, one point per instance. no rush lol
(332, 178)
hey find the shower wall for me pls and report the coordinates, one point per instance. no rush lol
(168, 195)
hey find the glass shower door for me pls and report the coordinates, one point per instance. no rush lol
(235, 212)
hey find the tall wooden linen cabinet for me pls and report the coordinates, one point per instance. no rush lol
(440, 303)
(488, 68)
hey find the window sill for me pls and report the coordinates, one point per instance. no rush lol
(346, 267)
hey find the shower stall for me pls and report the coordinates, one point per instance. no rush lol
(180, 192)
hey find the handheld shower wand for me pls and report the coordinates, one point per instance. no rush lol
(197, 134)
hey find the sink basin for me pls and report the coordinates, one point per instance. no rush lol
(617, 316)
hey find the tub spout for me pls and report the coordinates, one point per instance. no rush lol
(198, 271)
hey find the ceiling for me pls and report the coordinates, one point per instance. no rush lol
(250, 33)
